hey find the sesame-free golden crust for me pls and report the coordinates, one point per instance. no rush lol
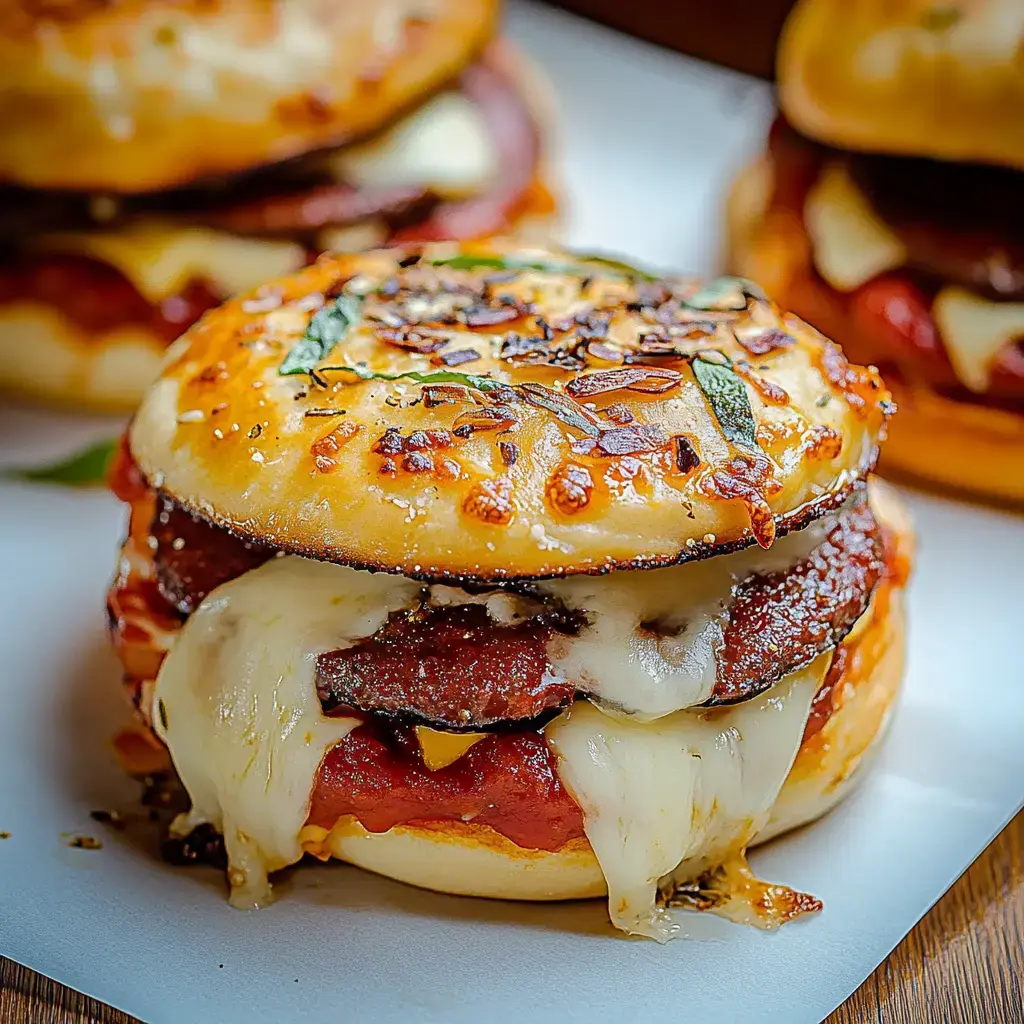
(546, 475)
(915, 77)
(138, 95)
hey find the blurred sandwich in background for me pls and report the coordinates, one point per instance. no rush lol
(158, 157)
(888, 211)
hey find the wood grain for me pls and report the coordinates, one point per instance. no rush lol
(963, 963)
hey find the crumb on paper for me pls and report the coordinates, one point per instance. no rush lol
(85, 843)
(115, 819)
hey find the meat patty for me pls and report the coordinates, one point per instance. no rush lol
(456, 668)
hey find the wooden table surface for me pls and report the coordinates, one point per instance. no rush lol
(963, 963)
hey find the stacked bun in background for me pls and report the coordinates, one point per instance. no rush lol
(158, 157)
(889, 213)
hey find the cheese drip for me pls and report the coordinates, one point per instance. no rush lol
(851, 243)
(665, 801)
(160, 258)
(629, 667)
(236, 703)
(444, 145)
(975, 331)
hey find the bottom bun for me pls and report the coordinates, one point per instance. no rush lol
(474, 860)
(46, 357)
(939, 442)
(463, 859)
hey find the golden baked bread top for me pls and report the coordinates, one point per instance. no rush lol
(485, 411)
(933, 78)
(133, 95)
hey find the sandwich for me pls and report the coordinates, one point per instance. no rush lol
(159, 157)
(888, 212)
(508, 572)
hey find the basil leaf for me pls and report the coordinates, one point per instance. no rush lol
(473, 380)
(727, 396)
(465, 261)
(327, 327)
(724, 293)
(616, 266)
(88, 466)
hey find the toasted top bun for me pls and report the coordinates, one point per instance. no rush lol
(134, 95)
(574, 463)
(914, 77)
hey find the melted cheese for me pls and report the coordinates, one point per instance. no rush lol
(444, 145)
(160, 259)
(665, 801)
(974, 331)
(649, 673)
(851, 243)
(441, 749)
(236, 703)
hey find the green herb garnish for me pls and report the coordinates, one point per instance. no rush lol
(727, 396)
(723, 294)
(616, 266)
(472, 380)
(327, 327)
(465, 261)
(86, 467)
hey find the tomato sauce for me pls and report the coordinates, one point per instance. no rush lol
(508, 782)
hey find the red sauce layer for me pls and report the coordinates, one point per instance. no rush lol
(508, 782)
(97, 297)
(452, 667)
(888, 320)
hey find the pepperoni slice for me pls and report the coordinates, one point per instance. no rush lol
(449, 667)
(780, 622)
(457, 669)
(508, 782)
(194, 557)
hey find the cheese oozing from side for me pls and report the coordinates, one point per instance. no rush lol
(444, 145)
(974, 331)
(665, 801)
(236, 703)
(627, 666)
(850, 243)
(160, 258)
